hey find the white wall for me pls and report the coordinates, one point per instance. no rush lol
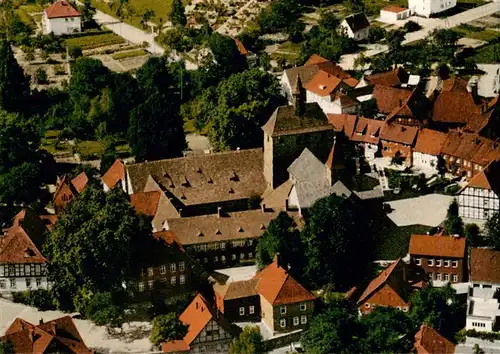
(293, 199)
(60, 26)
(391, 17)
(370, 151)
(286, 88)
(20, 284)
(473, 202)
(429, 7)
(424, 161)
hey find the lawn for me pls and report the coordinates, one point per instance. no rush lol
(24, 11)
(129, 54)
(489, 54)
(477, 32)
(94, 41)
(161, 9)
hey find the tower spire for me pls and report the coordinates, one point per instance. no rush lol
(298, 96)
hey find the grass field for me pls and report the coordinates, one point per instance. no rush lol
(489, 54)
(94, 41)
(24, 11)
(477, 33)
(129, 54)
(161, 9)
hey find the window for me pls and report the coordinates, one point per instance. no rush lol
(242, 311)
(13, 283)
(418, 261)
(430, 262)
(150, 272)
(182, 279)
(447, 263)
(28, 282)
(205, 260)
(141, 286)
(173, 280)
(303, 319)
(282, 310)
(454, 264)
(242, 255)
(367, 305)
(172, 267)
(455, 278)
(251, 310)
(3, 285)
(150, 284)
(222, 245)
(282, 323)
(438, 276)
(303, 306)
(446, 277)
(216, 259)
(439, 262)
(163, 269)
(38, 282)
(182, 266)
(250, 242)
(233, 257)
(223, 258)
(295, 321)
(250, 255)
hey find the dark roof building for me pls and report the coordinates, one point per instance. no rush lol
(485, 266)
(429, 341)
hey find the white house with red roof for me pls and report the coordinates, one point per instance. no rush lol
(391, 14)
(61, 18)
(479, 199)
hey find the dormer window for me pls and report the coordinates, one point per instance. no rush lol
(200, 234)
(234, 177)
(185, 182)
(210, 181)
(322, 87)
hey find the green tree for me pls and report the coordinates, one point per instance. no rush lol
(167, 327)
(41, 76)
(473, 234)
(75, 52)
(444, 37)
(492, 228)
(93, 246)
(334, 229)
(453, 224)
(336, 330)
(21, 184)
(154, 77)
(369, 108)
(106, 308)
(280, 237)
(6, 347)
(250, 341)
(88, 12)
(438, 308)
(156, 129)
(14, 84)
(441, 165)
(226, 54)
(282, 15)
(178, 16)
(388, 330)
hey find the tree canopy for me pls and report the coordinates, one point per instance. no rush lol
(178, 16)
(14, 85)
(167, 327)
(250, 341)
(492, 228)
(454, 224)
(92, 247)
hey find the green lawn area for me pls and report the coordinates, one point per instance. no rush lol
(161, 9)
(393, 241)
(373, 7)
(489, 54)
(290, 51)
(94, 41)
(477, 33)
(129, 54)
(24, 11)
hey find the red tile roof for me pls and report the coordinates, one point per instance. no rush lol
(439, 246)
(470, 147)
(169, 238)
(456, 107)
(395, 9)
(368, 130)
(315, 59)
(429, 341)
(279, 288)
(485, 265)
(60, 333)
(399, 133)
(61, 9)
(389, 98)
(323, 84)
(429, 142)
(488, 178)
(146, 202)
(114, 174)
(16, 247)
(80, 181)
(240, 46)
(391, 78)
(343, 123)
(379, 281)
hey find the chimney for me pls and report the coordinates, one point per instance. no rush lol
(40, 321)
(472, 87)
(180, 212)
(299, 94)
(219, 211)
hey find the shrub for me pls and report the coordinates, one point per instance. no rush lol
(489, 336)
(41, 76)
(411, 26)
(41, 299)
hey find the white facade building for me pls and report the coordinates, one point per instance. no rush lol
(391, 14)
(482, 308)
(356, 26)
(336, 104)
(427, 8)
(61, 18)
(22, 277)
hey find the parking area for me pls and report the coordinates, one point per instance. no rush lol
(429, 210)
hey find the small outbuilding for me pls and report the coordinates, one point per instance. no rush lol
(391, 14)
(356, 26)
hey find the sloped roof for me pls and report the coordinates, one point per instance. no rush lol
(399, 133)
(279, 288)
(307, 167)
(323, 84)
(485, 265)
(429, 141)
(240, 46)
(285, 121)
(169, 238)
(343, 123)
(80, 181)
(379, 281)
(277, 197)
(206, 178)
(61, 9)
(488, 178)
(114, 174)
(389, 98)
(315, 59)
(429, 341)
(196, 316)
(237, 289)
(455, 107)
(368, 130)
(439, 246)
(415, 106)
(28, 338)
(395, 9)
(16, 247)
(470, 147)
(390, 78)
(357, 22)
(146, 202)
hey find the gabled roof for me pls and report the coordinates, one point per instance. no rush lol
(470, 147)
(323, 84)
(285, 121)
(429, 142)
(368, 130)
(80, 181)
(488, 178)
(389, 98)
(357, 22)
(429, 341)
(237, 289)
(240, 46)
(307, 167)
(390, 78)
(455, 106)
(61, 9)
(343, 123)
(114, 174)
(60, 334)
(485, 265)
(146, 202)
(399, 133)
(315, 59)
(206, 178)
(415, 106)
(279, 288)
(277, 197)
(169, 238)
(196, 316)
(336, 157)
(16, 247)
(439, 246)
(395, 9)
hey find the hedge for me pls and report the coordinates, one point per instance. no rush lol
(463, 334)
(95, 41)
(131, 54)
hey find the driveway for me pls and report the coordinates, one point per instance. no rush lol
(428, 210)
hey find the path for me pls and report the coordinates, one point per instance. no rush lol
(224, 28)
